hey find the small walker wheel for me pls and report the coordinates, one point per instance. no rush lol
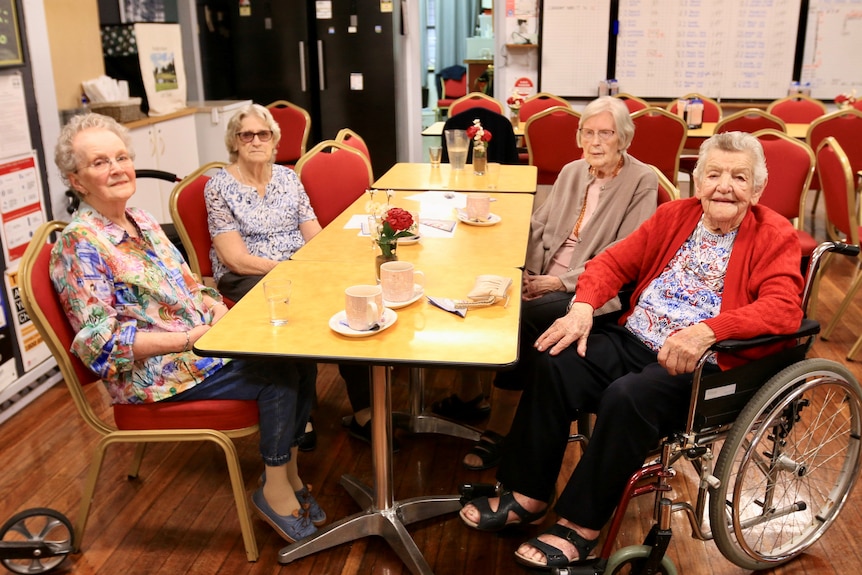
(629, 561)
(35, 541)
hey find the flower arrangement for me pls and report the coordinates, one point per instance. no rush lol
(846, 100)
(377, 209)
(480, 136)
(515, 101)
(396, 223)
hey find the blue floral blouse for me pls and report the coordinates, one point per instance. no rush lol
(112, 286)
(269, 226)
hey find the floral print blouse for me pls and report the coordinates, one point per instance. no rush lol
(269, 226)
(112, 286)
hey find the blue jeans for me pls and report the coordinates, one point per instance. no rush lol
(283, 390)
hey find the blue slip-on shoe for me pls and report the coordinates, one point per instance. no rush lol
(309, 503)
(291, 527)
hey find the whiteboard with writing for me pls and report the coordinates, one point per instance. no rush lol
(832, 59)
(574, 46)
(740, 49)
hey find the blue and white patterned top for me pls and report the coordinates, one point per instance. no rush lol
(269, 226)
(688, 291)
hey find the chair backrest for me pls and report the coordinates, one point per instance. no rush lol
(552, 141)
(503, 147)
(295, 124)
(791, 165)
(451, 83)
(633, 103)
(538, 102)
(839, 195)
(843, 125)
(334, 175)
(750, 120)
(711, 108)
(350, 138)
(189, 214)
(659, 139)
(475, 100)
(797, 109)
(667, 192)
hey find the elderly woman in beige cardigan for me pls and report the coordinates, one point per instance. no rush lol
(595, 202)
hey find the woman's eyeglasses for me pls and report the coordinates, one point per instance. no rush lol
(248, 137)
(588, 135)
(102, 165)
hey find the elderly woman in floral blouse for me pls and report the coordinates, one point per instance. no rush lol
(137, 310)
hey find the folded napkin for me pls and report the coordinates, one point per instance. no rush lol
(444, 225)
(447, 305)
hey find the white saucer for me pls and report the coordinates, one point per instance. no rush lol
(493, 219)
(338, 324)
(408, 241)
(418, 292)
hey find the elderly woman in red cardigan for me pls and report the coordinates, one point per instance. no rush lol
(713, 267)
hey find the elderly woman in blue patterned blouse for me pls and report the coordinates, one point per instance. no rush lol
(258, 212)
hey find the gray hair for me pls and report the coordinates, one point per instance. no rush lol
(65, 156)
(734, 142)
(233, 125)
(623, 124)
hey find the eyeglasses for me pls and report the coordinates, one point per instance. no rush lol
(588, 135)
(248, 137)
(103, 164)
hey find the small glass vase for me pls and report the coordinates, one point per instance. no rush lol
(387, 248)
(515, 116)
(480, 160)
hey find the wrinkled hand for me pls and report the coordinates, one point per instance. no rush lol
(682, 350)
(538, 285)
(573, 327)
(218, 311)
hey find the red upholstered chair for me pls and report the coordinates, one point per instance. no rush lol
(797, 109)
(538, 102)
(845, 126)
(667, 192)
(295, 124)
(552, 141)
(350, 138)
(633, 103)
(334, 175)
(750, 120)
(452, 89)
(659, 139)
(189, 214)
(842, 211)
(791, 166)
(476, 100)
(206, 420)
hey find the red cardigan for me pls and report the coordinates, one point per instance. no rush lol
(762, 288)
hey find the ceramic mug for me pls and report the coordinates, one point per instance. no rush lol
(479, 207)
(398, 280)
(363, 306)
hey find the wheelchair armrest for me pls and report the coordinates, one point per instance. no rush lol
(809, 327)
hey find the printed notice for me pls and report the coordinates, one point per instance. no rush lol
(21, 210)
(13, 116)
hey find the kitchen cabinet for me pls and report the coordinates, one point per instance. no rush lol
(169, 144)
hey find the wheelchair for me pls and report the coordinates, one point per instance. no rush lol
(775, 444)
(35, 541)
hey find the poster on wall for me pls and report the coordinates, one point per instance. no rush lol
(160, 54)
(13, 116)
(21, 209)
(11, 53)
(132, 11)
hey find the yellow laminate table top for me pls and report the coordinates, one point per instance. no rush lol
(418, 176)
(422, 334)
(473, 247)
(436, 129)
(707, 129)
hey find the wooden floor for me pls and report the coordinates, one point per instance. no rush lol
(178, 517)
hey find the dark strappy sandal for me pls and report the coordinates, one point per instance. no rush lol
(489, 449)
(496, 520)
(554, 557)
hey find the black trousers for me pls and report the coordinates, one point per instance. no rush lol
(636, 403)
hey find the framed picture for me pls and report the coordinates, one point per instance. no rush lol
(11, 53)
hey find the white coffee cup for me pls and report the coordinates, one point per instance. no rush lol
(398, 280)
(363, 306)
(479, 207)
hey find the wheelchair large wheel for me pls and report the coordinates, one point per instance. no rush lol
(787, 464)
(38, 525)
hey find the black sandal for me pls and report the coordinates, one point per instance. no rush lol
(496, 520)
(554, 557)
(454, 407)
(489, 449)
